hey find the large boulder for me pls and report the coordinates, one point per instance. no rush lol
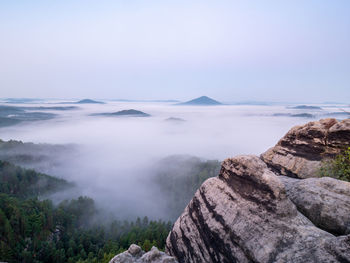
(300, 152)
(135, 255)
(245, 215)
(325, 201)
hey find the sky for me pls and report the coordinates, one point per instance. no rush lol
(230, 50)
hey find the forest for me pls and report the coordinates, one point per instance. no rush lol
(179, 176)
(34, 229)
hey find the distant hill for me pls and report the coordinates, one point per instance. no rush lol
(202, 101)
(23, 100)
(42, 157)
(126, 100)
(337, 114)
(8, 121)
(299, 115)
(306, 107)
(23, 183)
(59, 108)
(126, 113)
(174, 119)
(88, 101)
(11, 115)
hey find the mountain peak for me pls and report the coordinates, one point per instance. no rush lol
(203, 100)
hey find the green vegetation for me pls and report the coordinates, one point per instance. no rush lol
(36, 230)
(179, 177)
(43, 157)
(339, 167)
(33, 230)
(23, 183)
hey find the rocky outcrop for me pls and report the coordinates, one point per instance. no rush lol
(245, 215)
(325, 201)
(299, 152)
(135, 255)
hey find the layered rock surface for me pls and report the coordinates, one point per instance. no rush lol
(325, 201)
(299, 152)
(135, 255)
(245, 215)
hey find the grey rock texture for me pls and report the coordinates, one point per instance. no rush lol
(325, 201)
(245, 215)
(135, 255)
(300, 152)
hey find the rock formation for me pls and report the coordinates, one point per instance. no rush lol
(325, 201)
(245, 215)
(249, 213)
(252, 213)
(135, 255)
(299, 152)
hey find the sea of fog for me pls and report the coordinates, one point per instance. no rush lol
(115, 155)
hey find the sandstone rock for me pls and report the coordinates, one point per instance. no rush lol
(299, 152)
(135, 250)
(325, 201)
(135, 255)
(244, 215)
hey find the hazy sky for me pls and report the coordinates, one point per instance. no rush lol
(231, 50)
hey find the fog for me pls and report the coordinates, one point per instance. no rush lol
(114, 158)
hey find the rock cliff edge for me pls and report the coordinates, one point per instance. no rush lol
(250, 213)
(272, 208)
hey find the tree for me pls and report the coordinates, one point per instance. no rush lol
(339, 167)
(82, 254)
(146, 246)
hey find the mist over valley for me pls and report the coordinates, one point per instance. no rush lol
(118, 160)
